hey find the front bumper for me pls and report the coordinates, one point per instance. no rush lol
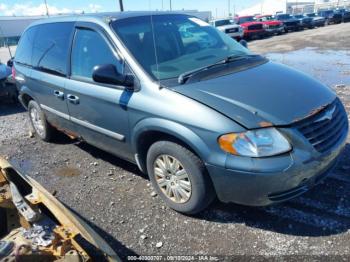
(236, 35)
(319, 22)
(254, 33)
(293, 27)
(277, 30)
(264, 181)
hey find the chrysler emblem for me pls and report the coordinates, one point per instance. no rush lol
(327, 116)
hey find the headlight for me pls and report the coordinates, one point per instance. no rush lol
(255, 143)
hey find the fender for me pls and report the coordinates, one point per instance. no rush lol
(174, 129)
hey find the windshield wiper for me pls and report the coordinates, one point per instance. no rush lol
(182, 79)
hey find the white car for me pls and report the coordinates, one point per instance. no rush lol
(229, 27)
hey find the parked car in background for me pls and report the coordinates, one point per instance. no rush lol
(272, 26)
(305, 21)
(8, 88)
(228, 27)
(318, 21)
(290, 23)
(331, 16)
(345, 15)
(252, 29)
(199, 113)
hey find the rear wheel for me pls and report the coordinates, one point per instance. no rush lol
(179, 177)
(39, 123)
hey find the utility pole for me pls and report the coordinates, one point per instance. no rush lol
(121, 5)
(171, 7)
(47, 9)
(229, 7)
(162, 5)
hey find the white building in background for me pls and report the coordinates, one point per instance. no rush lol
(11, 28)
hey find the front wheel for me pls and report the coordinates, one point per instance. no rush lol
(179, 177)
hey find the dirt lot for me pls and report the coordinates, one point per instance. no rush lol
(116, 198)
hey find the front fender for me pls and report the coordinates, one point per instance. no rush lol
(174, 129)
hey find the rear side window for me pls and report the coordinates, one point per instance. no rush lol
(25, 47)
(51, 47)
(90, 49)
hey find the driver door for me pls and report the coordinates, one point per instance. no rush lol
(98, 111)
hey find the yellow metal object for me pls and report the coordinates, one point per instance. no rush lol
(68, 230)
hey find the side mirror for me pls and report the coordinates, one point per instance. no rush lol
(108, 74)
(244, 43)
(10, 63)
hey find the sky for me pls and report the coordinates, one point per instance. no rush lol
(37, 7)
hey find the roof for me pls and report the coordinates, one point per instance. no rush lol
(259, 16)
(244, 16)
(101, 16)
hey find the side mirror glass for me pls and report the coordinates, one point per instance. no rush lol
(244, 43)
(108, 74)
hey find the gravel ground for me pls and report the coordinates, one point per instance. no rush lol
(117, 199)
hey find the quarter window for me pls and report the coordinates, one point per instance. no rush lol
(51, 45)
(25, 47)
(90, 49)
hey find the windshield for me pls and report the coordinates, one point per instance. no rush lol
(167, 46)
(246, 19)
(311, 15)
(298, 16)
(223, 22)
(286, 16)
(267, 18)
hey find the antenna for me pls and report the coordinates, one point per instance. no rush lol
(47, 9)
(121, 5)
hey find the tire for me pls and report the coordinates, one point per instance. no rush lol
(37, 117)
(201, 193)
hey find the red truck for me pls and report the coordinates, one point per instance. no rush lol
(251, 27)
(272, 26)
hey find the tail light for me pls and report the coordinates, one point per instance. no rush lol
(13, 72)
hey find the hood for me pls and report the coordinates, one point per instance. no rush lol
(290, 20)
(307, 19)
(317, 18)
(224, 27)
(246, 24)
(275, 22)
(269, 94)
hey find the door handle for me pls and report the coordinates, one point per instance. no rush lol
(58, 94)
(73, 99)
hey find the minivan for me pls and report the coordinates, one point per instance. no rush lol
(198, 112)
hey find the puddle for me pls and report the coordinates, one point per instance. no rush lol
(67, 171)
(329, 66)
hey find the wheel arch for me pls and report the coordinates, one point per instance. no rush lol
(25, 96)
(152, 130)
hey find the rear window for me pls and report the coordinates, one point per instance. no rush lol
(25, 47)
(51, 47)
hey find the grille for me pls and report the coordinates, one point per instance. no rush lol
(274, 26)
(326, 128)
(255, 27)
(291, 23)
(231, 30)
